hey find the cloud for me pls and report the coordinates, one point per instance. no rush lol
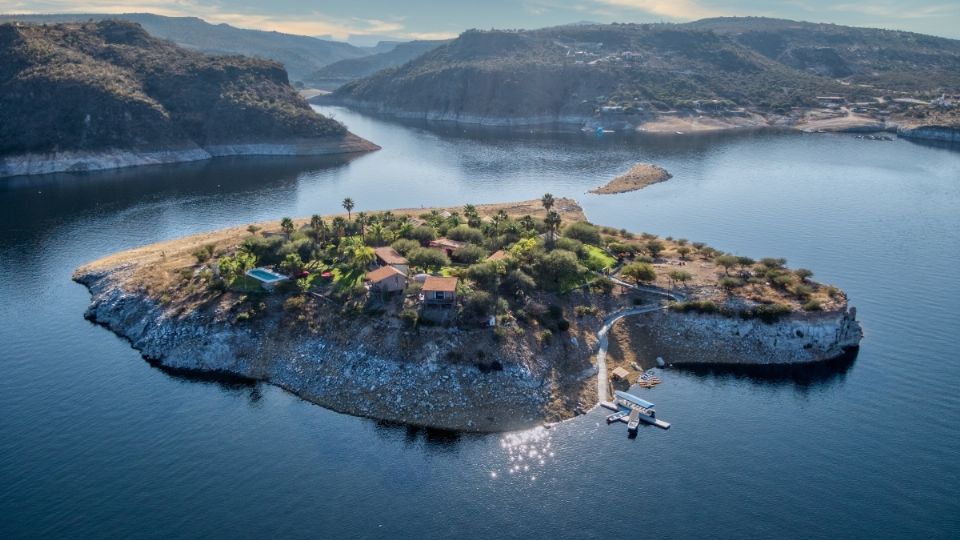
(312, 23)
(674, 9)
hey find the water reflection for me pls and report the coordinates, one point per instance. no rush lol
(442, 440)
(526, 454)
(803, 377)
(233, 385)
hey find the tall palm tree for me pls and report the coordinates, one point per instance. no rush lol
(362, 223)
(339, 225)
(348, 206)
(318, 227)
(552, 221)
(547, 201)
(286, 224)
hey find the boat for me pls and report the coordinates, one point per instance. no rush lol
(616, 416)
(644, 409)
(634, 422)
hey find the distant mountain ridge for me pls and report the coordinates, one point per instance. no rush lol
(350, 69)
(301, 55)
(107, 89)
(569, 73)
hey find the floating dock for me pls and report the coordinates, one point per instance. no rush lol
(632, 410)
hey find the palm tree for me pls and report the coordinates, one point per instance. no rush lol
(547, 201)
(286, 224)
(552, 221)
(362, 223)
(339, 225)
(379, 234)
(473, 217)
(348, 206)
(363, 256)
(318, 227)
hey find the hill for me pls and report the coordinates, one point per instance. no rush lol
(300, 55)
(341, 72)
(101, 87)
(887, 59)
(569, 74)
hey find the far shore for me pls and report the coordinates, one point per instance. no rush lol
(119, 158)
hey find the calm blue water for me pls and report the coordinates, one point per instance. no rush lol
(96, 443)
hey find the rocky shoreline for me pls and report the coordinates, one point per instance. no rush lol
(76, 161)
(348, 378)
(947, 134)
(800, 338)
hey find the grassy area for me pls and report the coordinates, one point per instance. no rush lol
(597, 259)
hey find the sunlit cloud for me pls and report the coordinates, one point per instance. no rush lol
(312, 23)
(673, 9)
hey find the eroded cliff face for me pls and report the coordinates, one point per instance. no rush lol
(353, 379)
(690, 338)
(932, 133)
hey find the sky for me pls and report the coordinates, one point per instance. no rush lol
(366, 21)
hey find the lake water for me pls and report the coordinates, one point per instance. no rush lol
(96, 443)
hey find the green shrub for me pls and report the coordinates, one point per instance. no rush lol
(465, 233)
(423, 234)
(602, 285)
(409, 317)
(696, 306)
(639, 272)
(427, 258)
(556, 269)
(478, 304)
(405, 245)
(570, 244)
(654, 247)
(585, 310)
(294, 303)
(292, 264)
(771, 313)
(484, 275)
(730, 283)
(812, 305)
(584, 232)
(204, 253)
(469, 254)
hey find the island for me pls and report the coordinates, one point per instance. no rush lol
(475, 318)
(103, 95)
(639, 176)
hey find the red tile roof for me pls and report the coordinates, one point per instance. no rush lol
(389, 255)
(440, 284)
(446, 243)
(382, 273)
(498, 255)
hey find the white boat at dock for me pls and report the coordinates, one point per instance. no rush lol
(633, 410)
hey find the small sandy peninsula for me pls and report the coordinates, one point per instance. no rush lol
(639, 176)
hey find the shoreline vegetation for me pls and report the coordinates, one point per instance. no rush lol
(511, 342)
(639, 176)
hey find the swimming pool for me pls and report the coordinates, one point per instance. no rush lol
(265, 275)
